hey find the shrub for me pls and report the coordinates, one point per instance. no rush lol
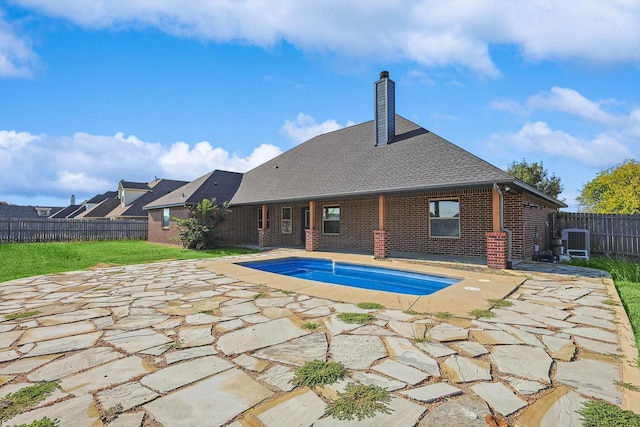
(198, 231)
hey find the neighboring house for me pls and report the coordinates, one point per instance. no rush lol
(128, 201)
(389, 186)
(12, 211)
(220, 185)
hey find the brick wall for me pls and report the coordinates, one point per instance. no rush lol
(497, 249)
(408, 222)
(157, 234)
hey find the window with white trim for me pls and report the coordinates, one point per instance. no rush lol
(331, 219)
(286, 221)
(444, 218)
(166, 217)
(260, 218)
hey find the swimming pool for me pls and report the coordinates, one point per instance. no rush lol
(359, 276)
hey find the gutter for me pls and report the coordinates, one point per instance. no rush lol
(502, 227)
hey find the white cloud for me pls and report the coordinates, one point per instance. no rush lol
(537, 137)
(305, 127)
(571, 102)
(204, 158)
(85, 165)
(430, 33)
(16, 57)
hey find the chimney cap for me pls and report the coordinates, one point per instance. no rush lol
(384, 74)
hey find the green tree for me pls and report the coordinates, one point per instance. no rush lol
(615, 190)
(537, 176)
(198, 231)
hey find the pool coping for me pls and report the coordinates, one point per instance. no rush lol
(471, 292)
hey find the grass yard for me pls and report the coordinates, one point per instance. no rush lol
(32, 259)
(626, 276)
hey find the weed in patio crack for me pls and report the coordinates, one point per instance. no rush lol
(359, 401)
(311, 326)
(599, 414)
(24, 399)
(43, 422)
(370, 306)
(318, 372)
(21, 315)
(360, 318)
(477, 313)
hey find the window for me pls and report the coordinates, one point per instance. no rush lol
(331, 219)
(260, 218)
(444, 218)
(166, 217)
(286, 220)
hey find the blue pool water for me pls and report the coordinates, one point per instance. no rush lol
(359, 276)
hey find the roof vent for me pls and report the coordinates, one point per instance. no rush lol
(385, 109)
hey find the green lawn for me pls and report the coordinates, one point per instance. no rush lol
(626, 276)
(31, 259)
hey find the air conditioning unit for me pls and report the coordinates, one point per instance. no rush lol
(576, 242)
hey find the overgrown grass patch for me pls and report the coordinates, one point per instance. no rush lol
(360, 318)
(32, 259)
(603, 414)
(370, 306)
(24, 399)
(359, 401)
(318, 372)
(21, 315)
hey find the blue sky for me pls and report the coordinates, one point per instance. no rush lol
(94, 91)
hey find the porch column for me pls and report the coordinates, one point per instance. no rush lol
(312, 235)
(497, 240)
(381, 248)
(497, 246)
(264, 239)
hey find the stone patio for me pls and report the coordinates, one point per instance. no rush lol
(181, 344)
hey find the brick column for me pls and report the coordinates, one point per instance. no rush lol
(381, 249)
(497, 247)
(312, 240)
(264, 238)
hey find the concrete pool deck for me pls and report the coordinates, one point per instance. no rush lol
(192, 343)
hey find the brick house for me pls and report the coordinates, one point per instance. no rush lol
(389, 186)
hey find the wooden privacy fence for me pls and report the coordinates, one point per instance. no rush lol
(18, 230)
(609, 234)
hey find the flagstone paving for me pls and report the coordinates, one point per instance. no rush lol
(176, 344)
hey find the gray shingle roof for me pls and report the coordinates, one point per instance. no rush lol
(347, 163)
(159, 189)
(13, 211)
(135, 185)
(219, 184)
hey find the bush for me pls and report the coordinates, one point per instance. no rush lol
(198, 231)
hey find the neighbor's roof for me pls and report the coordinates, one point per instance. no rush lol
(12, 211)
(158, 188)
(134, 185)
(100, 197)
(347, 163)
(102, 209)
(220, 185)
(69, 212)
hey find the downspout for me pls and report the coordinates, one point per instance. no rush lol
(502, 227)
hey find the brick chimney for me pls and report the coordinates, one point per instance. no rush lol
(385, 109)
